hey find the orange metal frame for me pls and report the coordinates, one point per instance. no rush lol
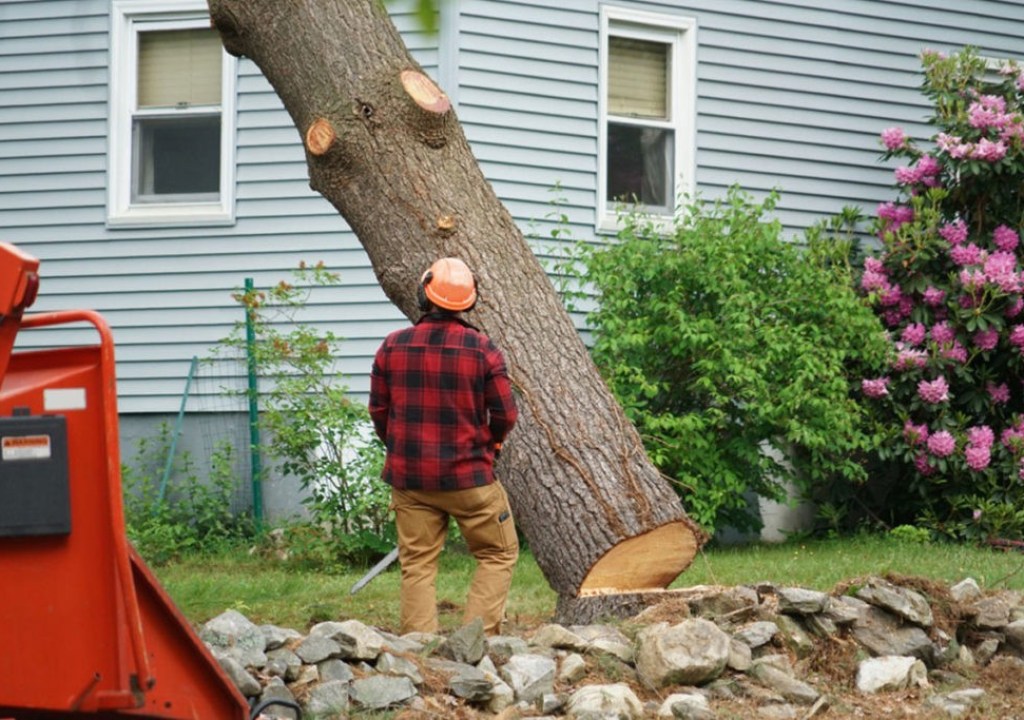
(89, 631)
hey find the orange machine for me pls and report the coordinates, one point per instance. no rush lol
(88, 631)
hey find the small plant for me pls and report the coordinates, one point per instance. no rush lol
(730, 349)
(312, 428)
(909, 533)
(188, 515)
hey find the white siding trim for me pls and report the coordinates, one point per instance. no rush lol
(126, 15)
(681, 33)
(448, 49)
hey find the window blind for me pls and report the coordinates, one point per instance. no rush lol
(637, 78)
(179, 67)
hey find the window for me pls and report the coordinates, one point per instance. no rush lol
(648, 69)
(172, 116)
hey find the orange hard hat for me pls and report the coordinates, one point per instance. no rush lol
(449, 284)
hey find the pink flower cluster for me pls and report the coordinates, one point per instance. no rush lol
(984, 149)
(978, 452)
(925, 172)
(894, 138)
(935, 391)
(876, 388)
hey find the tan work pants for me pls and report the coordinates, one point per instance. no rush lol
(485, 519)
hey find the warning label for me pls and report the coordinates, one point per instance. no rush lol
(26, 447)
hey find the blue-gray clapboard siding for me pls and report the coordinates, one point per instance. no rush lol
(791, 94)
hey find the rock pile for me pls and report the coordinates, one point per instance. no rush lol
(697, 648)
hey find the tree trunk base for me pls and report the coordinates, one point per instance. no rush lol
(596, 608)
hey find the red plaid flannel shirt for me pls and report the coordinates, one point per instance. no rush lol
(440, 399)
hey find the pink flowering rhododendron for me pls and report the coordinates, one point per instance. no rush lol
(935, 391)
(986, 339)
(977, 457)
(981, 435)
(941, 444)
(1005, 238)
(894, 138)
(948, 286)
(914, 334)
(1000, 394)
(875, 388)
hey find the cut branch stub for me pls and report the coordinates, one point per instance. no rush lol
(320, 136)
(425, 93)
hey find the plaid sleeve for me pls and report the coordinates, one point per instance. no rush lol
(501, 405)
(380, 396)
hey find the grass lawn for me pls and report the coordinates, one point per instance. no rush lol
(268, 591)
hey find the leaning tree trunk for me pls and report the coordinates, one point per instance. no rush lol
(385, 148)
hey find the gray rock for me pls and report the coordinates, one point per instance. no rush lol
(283, 663)
(233, 633)
(334, 669)
(845, 610)
(356, 640)
(502, 696)
(991, 613)
(329, 699)
(468, 644)
(466, 681)
(559, 637)
(965, 590)
(795, 635)
(693, 652)
(985, 651)
(740, 655)
(781, 711)
(239, 676)
(783, 683)
(882, 634)
(388, 664)
(686, 706)
(379, 692)
(604, 702)
(716, 602)
(906, 603)
(551, 703)
(958, 703)
(1014, 633)
(572, 669)
(275, 689)
(529, 676)
(406, 644)
(757, 633)
(503, 647)
(276, 637)
(317, 648)
(798, 601)
(821, 625)
(890, 672)
(308, 674)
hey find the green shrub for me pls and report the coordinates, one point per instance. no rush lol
(723, 341)
(187, 516)
(312, 428)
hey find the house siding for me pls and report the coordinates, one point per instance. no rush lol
(790, 94)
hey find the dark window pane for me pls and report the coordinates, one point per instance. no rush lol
(640, 166)
(176, 156)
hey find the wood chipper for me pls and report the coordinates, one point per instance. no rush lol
(88, 631)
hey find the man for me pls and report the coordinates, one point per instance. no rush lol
(441, 401)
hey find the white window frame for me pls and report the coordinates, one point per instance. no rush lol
(680, 33)
(128, 19)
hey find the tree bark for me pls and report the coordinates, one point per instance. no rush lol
(385, 148)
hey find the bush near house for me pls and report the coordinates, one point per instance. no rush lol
(948, 285)
(721, 339)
